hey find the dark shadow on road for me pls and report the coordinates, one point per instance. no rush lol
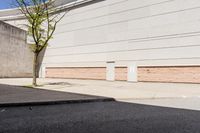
(21, 96)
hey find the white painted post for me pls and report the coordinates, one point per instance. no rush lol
(132, 72)
(110, 71)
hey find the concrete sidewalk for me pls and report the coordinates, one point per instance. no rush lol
(184, 96)
(118, 90)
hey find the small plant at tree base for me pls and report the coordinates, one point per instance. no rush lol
(42, 18)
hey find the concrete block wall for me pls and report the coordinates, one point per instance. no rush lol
(15, 55)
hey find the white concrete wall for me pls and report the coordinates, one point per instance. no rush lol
(145, 32)
(148, 32)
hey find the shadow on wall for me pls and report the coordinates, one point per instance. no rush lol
(41, 57)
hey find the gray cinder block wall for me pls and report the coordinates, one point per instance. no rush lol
(15, 55)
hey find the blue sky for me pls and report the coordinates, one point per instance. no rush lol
(5, 4)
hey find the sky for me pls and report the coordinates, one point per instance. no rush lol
(6, 4)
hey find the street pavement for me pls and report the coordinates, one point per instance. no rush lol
(20, 96)
(98, 117)
(146, 107)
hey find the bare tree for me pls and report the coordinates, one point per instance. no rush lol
(42, 18)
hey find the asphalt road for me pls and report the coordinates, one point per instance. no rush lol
(19, 96)
(98, 117)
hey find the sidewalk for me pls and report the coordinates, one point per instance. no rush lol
(118, 90)
(184, 96)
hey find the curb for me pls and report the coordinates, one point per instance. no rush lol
(41, 103)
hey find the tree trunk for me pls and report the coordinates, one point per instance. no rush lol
(35, 62)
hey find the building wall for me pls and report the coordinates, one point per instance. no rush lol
(144, 32)
(176, 74)
(148, 33)
(98, 73)
(121, 73)
(155, 32)
(15, 56)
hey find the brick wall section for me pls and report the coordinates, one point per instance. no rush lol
(77, 73)
(121, 73)
(186, 74)
(176, 74)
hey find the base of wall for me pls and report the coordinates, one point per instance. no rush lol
(76, 72)
(121, 73)
(169, 74)
(19, 75)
